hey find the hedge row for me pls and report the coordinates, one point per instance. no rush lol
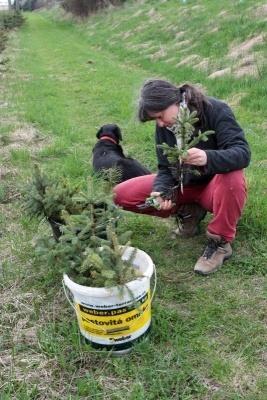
(8, 20)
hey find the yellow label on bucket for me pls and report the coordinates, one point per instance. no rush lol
(115, 322)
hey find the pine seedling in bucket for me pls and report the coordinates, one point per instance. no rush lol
(112, 300)
(93, 256)
(110, 281)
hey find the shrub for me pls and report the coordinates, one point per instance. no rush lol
(3, 39)
(10, 20)
(83, 8)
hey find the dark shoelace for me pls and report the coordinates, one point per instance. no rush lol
(210, 249)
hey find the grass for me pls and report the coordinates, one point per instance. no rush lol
(65, 80)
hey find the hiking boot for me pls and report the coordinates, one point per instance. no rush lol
(216, 252)
(188, 218)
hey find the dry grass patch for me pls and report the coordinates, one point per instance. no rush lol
(127, 34)
(171, 60)
(23, 137)
(24, 335)
(10, 217)
(34, 369)
(198, 8)
(213, 30)
(145, 48)
(250, 64)
(23, 76)
(223, 13)
(111, 383)
(154, 16)
(17, 308)
(6, 172)
(235, 100)
(8, 120)
(21, 358)
(239, 50)
(140, 28)
(243, 61)
(3, 104)
(260, 11)
(247, 66)
(11, 193)
(212, 385)
(183, 43)
(170, 28)
(243, 381)
(161, 53)
(220, 72)
(137, 13)
(203, 65)
(179, 35)
(189, 60)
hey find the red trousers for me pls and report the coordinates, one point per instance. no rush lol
(224, 196)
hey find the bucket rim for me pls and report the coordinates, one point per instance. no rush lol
(106, 292)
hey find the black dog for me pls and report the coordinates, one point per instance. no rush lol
(107, 153)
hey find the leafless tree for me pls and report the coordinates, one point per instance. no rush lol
(17, 5)
(84, 7)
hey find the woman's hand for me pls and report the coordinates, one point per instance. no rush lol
(196, 157)
(164, 204)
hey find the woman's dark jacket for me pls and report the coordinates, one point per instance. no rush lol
(227, 149)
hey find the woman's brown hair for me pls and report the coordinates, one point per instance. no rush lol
(157, 95)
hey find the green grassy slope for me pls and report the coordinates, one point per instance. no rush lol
(189, 41)
(63, 81)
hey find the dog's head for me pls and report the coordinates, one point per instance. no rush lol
(110, 130)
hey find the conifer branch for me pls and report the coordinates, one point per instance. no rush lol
(183, 129)
(89, 247)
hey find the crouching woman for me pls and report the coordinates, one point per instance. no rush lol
(220, 185)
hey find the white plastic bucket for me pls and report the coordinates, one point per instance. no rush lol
(112, 318)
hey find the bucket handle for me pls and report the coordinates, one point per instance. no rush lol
(152, 296)
(67, 295)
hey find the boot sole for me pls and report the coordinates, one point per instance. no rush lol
(214, 270)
